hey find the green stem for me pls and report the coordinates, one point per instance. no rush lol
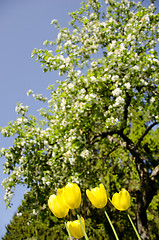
(111, 225)
(133, 226)
(68, 231)
(82, 227)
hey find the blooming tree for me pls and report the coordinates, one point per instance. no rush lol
(101, 123)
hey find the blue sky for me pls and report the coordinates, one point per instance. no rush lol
(25, 25)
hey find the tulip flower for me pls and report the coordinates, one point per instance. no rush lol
(57, 206)
(76, 229)
(97, 196)
(121, 200)
(71, 195)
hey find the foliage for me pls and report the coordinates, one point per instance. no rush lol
(28, 223)
(100, 124)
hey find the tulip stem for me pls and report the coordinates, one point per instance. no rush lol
(82, 227)
(69, 234)
(111, 225)
(133, 226)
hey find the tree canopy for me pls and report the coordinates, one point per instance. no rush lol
(101, 123)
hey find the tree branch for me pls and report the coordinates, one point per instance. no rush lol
(112, 150)
(103, 135)
(155, 173)
(145, 133)
(127, 104)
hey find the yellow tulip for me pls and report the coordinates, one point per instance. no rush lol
(97, 196)
(57, 206)
(121, 200)
(71, 195)
(76, 229)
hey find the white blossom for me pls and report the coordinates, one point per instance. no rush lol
(103, 24)
(71, 160)
(127, 85)
(4, 131)
(75, 178)
(55, 107)
(77, 74)
(152, 99)
(115, 78)
(84, 153)
(118, 101)
(70, 86)
(2, 150)
(54, 21)
(122, 47)
(90, 96)
(82, 91)
(45, 142)
(63, 103)
(144, 82)
(93, 79)
(94, 64)
(68, 153)
(109, 53)
(113, 44)
(29, 92)
(136, 68)
(117, 92)
(19, 121)
(112, 120)
(19, 214)
(34, 212)
(145, 19)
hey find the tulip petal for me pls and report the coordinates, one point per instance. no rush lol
(92, 198)
(57, 207)
(97, 196)
(75, 228)
(72, 195)
(121, 200)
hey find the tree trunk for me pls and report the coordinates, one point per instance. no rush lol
(141, 218)
(144, 198)
(148, 188)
